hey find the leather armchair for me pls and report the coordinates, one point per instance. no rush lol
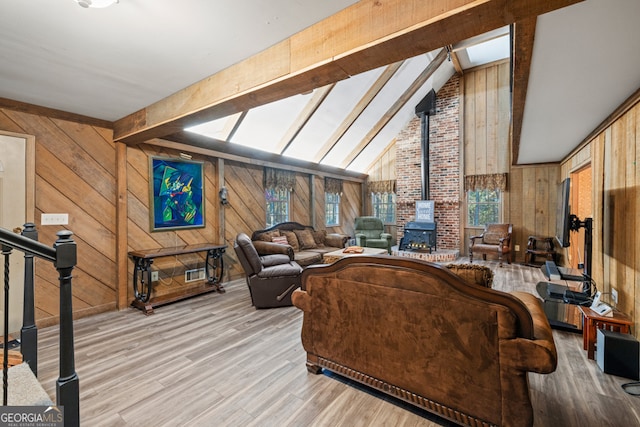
(370, 233)
(271, 278)
(496, 239)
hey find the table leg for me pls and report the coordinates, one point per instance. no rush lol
(214, 269)
(592, 339)
(142, 274)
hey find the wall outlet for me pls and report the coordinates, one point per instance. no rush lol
(517, 248)
(154, 276)
(54, 219)
(614, 295)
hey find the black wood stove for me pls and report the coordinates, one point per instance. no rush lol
(419, 236)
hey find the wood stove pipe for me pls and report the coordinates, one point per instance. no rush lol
(425, 109)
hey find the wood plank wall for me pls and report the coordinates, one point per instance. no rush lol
(75, 174)
(529, 204)
(614, 158)
(171, 269)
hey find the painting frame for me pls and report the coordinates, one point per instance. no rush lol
(176, 194)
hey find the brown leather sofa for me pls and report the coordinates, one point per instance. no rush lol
(305, 245)
(417, 331)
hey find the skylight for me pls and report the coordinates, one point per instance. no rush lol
(489, 51)
(353, 123)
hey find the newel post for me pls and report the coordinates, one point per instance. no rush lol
(29, 331)
(67, 386)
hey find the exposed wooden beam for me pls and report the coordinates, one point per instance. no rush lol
(364, 36)
(348, 121)
(453, 57)
(397, 105)
(523, 37)
(232, 125)
(316, 100)
(23, 107)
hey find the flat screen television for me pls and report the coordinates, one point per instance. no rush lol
(563, 214)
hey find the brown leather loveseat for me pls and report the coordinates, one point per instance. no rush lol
(416, 331)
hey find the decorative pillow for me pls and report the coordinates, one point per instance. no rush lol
(268, 236)
(292, 239)
(473, 273)
(282, 240)
(320, 236)
(305, 238)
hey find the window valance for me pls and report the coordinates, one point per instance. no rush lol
(333, 185)
(381, 187)
(279, 179)
(496, 181)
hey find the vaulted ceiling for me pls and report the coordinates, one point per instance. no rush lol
(328, 82)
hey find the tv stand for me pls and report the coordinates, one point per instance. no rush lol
(561, 314)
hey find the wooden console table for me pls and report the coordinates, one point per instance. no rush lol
(214, 270)
(593, 321)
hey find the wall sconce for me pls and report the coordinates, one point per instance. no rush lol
(224, 196)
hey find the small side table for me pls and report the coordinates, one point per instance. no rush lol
(593, 321)
(539, 246)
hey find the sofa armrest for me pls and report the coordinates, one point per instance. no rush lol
(385, 236)
(539, 354)
(361, 239)
(472, 239)
(336, 240)
(270, 248)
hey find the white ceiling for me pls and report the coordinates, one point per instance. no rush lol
(585, 64)
(109, 63)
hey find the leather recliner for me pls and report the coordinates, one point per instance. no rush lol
(271, 278)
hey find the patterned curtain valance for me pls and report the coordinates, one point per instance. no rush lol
(333, 185)
(382, 187)
(496, 181)
(279, 179)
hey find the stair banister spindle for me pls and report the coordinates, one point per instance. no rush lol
(67, 386)
(29, 331)
(6, 251)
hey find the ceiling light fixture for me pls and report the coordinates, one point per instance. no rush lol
(96, 3)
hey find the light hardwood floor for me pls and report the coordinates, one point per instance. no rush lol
(216, 361)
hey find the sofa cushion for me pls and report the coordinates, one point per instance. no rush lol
(320, 236)
(305, 238)
(306, 258)
(291, 268)
(268, 236)
(292, 239)
(281, 240)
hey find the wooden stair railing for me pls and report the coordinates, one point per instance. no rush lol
(63, 256)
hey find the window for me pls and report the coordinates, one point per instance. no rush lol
(483, 207)
(277, 206)
(332, 209)
(383, 206)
